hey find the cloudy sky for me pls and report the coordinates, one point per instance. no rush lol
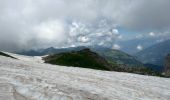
(32, 24)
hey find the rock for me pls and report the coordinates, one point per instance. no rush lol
(167, 66)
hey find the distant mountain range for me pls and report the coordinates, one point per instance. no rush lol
(111, 55)
(117, 56)
(155, 54)
(130, 46)
(51, 50)
(151, 57)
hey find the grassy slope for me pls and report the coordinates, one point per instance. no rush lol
(93, 61)
(119, 57)
(85, 59)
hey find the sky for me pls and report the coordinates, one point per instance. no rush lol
(34, 24)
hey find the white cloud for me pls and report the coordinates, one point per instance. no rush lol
(120, 37)
(116, 46)
(83, 39)
(139, 47)
(101, 43)
(152, 34)
(115, 31)
(99, 34)
(139, 36)
(50, 31)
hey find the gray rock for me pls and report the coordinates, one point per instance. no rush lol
(167, 66)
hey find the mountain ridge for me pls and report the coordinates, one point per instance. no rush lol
(84, 58)
(155, 54)
(109, 54)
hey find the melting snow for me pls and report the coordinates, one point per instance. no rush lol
(30, 79)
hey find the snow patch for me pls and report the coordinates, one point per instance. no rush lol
(27, 79)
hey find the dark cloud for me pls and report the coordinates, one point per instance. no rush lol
(147, 14)
(26, 24)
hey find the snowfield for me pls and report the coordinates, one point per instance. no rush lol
(28, 78)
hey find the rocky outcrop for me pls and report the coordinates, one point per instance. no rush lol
(167, 66)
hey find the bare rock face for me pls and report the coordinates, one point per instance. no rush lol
(167, 66)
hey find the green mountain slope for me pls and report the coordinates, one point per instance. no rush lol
(88, 59)
(116, 56)
(83, 58)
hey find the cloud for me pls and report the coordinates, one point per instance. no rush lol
(116, 46)
(83, 39)
(139, 47)
(152, 34)
(26, 24)
(145, 15)
(92, 34)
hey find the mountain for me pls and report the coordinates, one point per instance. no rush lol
(155, 54)
(116, 56)
(84, 58)
(130, 46)
(111, 55)
(51, 50)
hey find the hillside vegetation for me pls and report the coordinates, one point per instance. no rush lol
(83, 58)
(114, 56)
(88, 59)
